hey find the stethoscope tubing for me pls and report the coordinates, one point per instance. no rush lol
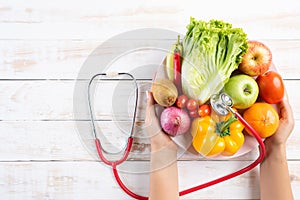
(92, 114)
(204, 185)
(114, 164)
(127, 150)
(239, 172)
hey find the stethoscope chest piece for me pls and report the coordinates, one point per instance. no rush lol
(220, 103)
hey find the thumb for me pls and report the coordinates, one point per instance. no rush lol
(150, 100)
(150, 111)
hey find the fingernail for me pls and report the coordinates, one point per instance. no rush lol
(147, 94)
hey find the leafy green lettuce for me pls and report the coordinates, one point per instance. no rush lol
(211, 52)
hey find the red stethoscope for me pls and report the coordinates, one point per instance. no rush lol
(221, 103)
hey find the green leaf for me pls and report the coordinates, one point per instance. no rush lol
(211, 52)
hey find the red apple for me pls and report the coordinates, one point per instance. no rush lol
(257, 60)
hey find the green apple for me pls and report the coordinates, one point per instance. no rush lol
(243, 90)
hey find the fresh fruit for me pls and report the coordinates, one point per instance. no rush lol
(192, 104)
(271, 87)
(257, 60)
(204, 110)
(263, 118)
(212, 137)
(164, 92)
(193, 113)
(175, 121)
(182, 101)
(243, 90)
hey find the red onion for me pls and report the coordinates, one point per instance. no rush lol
(175, 121)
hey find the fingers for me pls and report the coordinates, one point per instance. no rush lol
(286, 113)
(286, 109)
(282, 109)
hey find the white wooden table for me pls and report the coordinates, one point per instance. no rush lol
(43, 46)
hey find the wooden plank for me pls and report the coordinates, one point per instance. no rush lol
(92, 180)
(42, 154)
(72, 59)
(46, 59)
(85, 20)
(63, 59)
(56, 100)
(68, 140)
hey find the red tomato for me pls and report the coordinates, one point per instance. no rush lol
(192, 104)
(182, 101)
(204, 110)
(271, 87)
(193, 113)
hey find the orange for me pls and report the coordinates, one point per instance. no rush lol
(263, 118)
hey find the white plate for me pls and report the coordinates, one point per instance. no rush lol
(184, 141)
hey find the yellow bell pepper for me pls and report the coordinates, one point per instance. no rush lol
(211, 137)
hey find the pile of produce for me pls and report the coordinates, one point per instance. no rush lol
(214, 57)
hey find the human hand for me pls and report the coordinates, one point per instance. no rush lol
(274, 173)
(158, 138)
(286, 125)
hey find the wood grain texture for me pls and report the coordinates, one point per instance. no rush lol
(92, 180)
(100, 20)
(63, 59)
(54, 100)
(62, 141)
(43, 46)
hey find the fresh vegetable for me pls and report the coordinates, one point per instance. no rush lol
(164, 92)
(211, 52)
(211, 137)
(192, 104)
(263, 118)
(177, 65)
(271, 87)
(193, 113)
(243, 90)
(182, 101)
(204, 110)
(170, 59)
(257, 59)
(175, 121)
